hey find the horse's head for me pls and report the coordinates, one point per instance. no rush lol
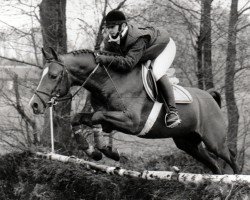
(54, 83)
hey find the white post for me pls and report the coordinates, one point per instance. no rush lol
(52, 102)
(51, 128)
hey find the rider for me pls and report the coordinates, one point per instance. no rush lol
(139, 44)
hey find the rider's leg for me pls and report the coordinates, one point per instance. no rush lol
(161, 65)
(172, 118)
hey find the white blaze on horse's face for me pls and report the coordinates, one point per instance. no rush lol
(48, 87)
(45, 72)
(33, 101)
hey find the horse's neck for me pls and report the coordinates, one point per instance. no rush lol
(102, 83)
(80, 67)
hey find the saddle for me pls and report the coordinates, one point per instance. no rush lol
(182, 96)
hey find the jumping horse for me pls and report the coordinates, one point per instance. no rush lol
(121, 103)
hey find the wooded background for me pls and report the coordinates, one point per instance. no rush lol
(212, 39)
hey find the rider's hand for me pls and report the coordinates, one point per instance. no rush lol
(101, 59)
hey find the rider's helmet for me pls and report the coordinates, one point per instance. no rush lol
(115, 17)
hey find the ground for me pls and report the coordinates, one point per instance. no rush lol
(23, 176)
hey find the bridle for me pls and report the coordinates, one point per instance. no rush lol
(55, 92)
(55, 95)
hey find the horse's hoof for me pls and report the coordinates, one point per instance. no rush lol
(94, 153)
(110, 152)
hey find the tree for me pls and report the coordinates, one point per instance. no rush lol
(232, 110)
(53, 23)
(18, 128)
(206, 44)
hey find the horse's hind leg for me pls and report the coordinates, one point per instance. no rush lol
(223, 152)
(193, 148)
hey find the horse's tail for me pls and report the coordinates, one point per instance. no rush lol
(216, 95)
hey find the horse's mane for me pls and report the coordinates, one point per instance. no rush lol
(86, 51)
(80, 51)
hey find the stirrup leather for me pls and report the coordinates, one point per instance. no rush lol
(176, 123)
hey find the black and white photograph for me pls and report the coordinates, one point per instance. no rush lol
(124, 100)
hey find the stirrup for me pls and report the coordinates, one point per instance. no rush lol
(176, 123)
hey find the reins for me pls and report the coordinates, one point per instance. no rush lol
(94, 70)
(113, 83)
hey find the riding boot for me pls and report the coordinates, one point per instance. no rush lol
(172, 118)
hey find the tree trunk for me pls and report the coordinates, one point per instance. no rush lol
(99, 37)
(207, 51)
(232, 110)
(53, 23)
(203, 50)
(199, 63)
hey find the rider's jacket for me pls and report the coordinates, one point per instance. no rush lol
(138, 45)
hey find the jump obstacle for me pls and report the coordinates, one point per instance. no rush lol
(186, 178)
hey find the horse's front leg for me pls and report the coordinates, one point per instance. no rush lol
(83, 144)
(82, 118)
(81, 138)
(125, 121)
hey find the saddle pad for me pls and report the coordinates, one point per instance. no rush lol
(182, 96)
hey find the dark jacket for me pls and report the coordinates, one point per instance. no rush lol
(138, 45)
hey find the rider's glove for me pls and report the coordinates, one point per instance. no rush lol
(101, 59)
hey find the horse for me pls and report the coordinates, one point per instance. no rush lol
(121, 103)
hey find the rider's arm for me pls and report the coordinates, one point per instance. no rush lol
(127, 62)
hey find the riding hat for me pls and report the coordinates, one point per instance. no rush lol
(115, 17)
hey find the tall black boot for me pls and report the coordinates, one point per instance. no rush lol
(172, 118)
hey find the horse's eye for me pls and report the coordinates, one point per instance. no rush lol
(52, 76)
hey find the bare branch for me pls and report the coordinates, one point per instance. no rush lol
(192, 12)
(21, 61)
(243, 9)
(89, 26)
(104, 10)
(14, 28)
(243, 27)
(18, 106)
(121, 4)
(247, 67)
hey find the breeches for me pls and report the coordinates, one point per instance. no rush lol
(164, 60)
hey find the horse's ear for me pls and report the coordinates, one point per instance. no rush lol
(54, 54)
(45, 54)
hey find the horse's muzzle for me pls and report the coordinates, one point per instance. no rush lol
(35, 108)
(36, 105)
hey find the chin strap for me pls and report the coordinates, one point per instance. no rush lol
(120, 35)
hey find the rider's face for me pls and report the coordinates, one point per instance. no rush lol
(113, 30)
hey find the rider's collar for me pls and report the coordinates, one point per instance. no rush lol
(118, 38)
(124, 32)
